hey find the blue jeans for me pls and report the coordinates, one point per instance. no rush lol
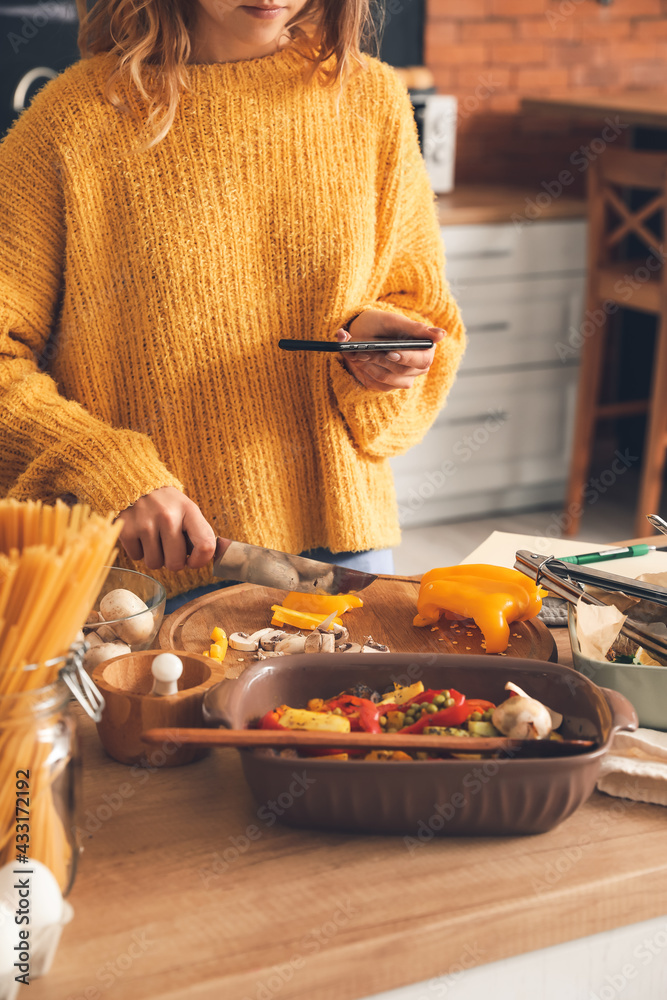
(371, 561)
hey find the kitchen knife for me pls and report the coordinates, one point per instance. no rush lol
(270, 568)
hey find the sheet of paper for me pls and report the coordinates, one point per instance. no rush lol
(499, 549)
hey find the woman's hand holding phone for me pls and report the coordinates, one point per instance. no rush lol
(155, 530)
(392, 370)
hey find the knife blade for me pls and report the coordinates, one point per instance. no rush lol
(271, 568)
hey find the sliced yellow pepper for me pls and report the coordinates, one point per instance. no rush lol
(218, 649)
(402, 694)
(286, 616)
(493, 596)
(322, 603)
(299, 718)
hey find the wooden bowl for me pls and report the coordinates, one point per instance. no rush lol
(125, 683)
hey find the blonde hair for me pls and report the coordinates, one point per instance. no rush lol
(146, 33)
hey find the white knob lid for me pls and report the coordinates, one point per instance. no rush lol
(167, 667)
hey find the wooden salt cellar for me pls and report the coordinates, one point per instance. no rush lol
(130, 709)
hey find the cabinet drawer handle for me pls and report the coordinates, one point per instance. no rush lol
(488, 328)
(479, 254)
(479, 418)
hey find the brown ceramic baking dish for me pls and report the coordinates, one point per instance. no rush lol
(421, 798)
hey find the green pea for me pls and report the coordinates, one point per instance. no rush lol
(431, 709)
(439, 699)
(392, 729)
(446, 695)
(450, 702)
(488, 715)
(476, 716)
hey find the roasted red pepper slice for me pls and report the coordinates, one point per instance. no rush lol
(270, 721)
(364, 715)
(452, 716)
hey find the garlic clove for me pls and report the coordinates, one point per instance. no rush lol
(556, 717)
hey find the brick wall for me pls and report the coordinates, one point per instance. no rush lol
(492, 53)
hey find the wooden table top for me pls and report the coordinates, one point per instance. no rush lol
(186, 890)
(634, 107)
(477, 204)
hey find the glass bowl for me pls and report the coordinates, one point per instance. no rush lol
(137, 630)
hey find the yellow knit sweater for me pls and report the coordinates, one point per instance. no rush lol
(142, 297)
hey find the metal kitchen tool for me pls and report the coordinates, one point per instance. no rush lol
(658, 522)
(270, 568)
(540, 569)
(609, 581)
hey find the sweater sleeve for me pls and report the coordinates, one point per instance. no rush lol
(50, 446)
(410, 281)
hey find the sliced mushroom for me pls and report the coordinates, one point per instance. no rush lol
(248, 643)
(349, 647)
(339, 632)
(313, 642)
(262, 655)
(328, 643)
(270, 641)
(291, 644)
(371, 646)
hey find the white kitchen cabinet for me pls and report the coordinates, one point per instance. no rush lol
(503, 440)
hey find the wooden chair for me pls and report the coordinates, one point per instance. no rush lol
(634, 284)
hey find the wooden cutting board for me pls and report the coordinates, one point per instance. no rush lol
(387, 614)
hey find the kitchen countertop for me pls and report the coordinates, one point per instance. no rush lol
(186, 888)
(635, 107)
(475, 204)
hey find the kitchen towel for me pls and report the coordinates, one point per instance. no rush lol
(636, 767)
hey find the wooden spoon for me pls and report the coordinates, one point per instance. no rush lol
(253, 738)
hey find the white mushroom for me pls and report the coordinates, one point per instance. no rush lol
(339, 632)
(93, 639)
(371, 646)
(270, 641)
(523, 717)
(105, 633)
(248, 643)
(327, 643)
(104, 651)
(93, 618)
(123, 604)
(291, 644)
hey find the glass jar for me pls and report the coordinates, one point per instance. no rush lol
(40, 779)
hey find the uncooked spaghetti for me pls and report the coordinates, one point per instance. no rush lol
(53, 560)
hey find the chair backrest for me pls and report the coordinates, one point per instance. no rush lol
(634, 169)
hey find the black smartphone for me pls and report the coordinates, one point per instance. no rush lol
(355, 346)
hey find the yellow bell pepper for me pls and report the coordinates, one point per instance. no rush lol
(321, 603)
(218, 648)
(493, 596)
(300, 619)
(299, 718)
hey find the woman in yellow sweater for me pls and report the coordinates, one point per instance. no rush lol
(210, 178)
